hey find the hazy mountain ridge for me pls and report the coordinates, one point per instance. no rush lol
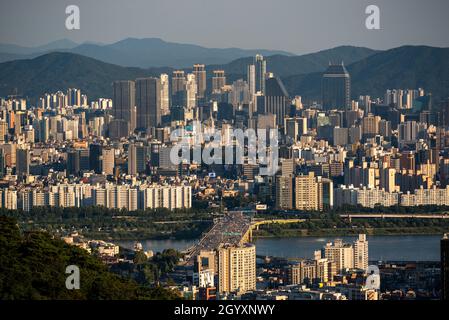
(406, 67)
(403, 67)
(143, 53)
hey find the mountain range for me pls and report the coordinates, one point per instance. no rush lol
(142, 53)
(372, 72)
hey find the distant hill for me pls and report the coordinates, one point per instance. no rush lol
(154, 52)
(285, 66)
(61, 70)
(403, 67)
(143, 53)
(54, 45)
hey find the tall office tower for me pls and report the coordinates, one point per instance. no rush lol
(191, 91)
(276, 99)
(361, 252)
(108, 161)
(218, 80)
(306, 192)
(199, 71)
(165, 95)
(260, 72)
(342, 254)
(178, 89)
(251, 79)
(237, 269)
(74, 97)
(444, 249)
(22, 162)
(336, 88)
(123, 102)
(136, 159)
(148, 102)
(73, 162)
(95, 153)
(284, 192)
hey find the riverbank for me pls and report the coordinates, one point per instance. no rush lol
(298, 233)
(263, 234)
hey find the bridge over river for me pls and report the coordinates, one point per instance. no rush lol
(234, 228)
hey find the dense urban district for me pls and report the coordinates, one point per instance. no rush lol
(192, 155)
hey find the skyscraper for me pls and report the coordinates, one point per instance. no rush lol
(191, 91)
(218, 80)
(123, 106)
(148, 102)
(178, 88)
(200, 75)
(165, 95)
(336, 87)
(260, 72)
(251, 79)
(276, 99)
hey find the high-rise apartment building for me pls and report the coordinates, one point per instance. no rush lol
(178, 89)
(218, 80)
(342, 254)
(237, 268)
(285, 192)
(191, 91)
(260, 73)
(199, 71)
(306, 192)
(108, 161)
(165, 94)
(22, 162)
(361, 252)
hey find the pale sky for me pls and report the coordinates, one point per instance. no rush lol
(298, 26)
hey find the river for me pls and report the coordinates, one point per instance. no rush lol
(386, 248)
